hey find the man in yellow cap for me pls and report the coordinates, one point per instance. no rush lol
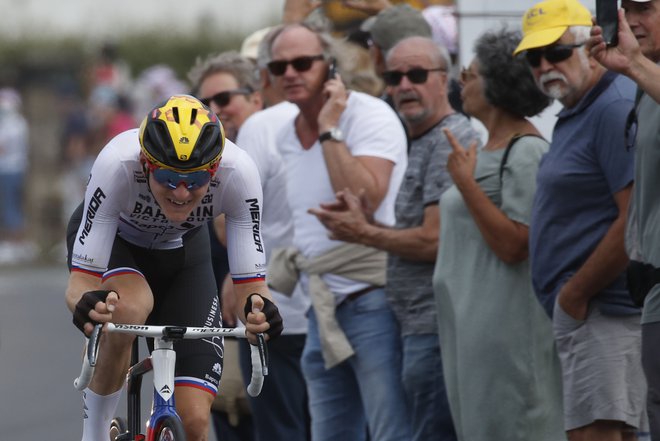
(576, 233)
(637, 56)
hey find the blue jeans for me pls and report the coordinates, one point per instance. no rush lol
(425, 389)
(11, 202)
(366, 390)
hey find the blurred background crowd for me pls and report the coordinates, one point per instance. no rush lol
(62, 99)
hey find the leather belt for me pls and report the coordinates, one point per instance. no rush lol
(360, 293)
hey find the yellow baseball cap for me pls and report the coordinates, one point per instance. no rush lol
(545, 22)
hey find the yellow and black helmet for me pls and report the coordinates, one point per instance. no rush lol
(182, 134)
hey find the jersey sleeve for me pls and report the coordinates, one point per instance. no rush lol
(243, 214)
(105, 192)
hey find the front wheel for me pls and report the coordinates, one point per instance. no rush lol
(117, 428)
(170, 429)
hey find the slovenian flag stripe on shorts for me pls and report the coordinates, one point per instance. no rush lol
(196, 382)
(120, 272)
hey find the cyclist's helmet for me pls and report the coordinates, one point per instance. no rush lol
(182, 134)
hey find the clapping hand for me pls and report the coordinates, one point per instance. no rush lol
(345, 218)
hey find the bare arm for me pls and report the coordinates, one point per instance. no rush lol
(296, 11)
(606, 262)
(507, 238)
(79, 284)
(256, 322)
(362, 173)
(351, 225)
(367, 174)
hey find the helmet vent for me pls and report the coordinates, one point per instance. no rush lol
(175, 113)
(193, 116)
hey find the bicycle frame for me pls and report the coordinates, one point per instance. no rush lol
(162, 361)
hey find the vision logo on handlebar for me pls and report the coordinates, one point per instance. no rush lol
(162, 362)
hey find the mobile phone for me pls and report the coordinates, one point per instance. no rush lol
(332, 69)
(607, 17)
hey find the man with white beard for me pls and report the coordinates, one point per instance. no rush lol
(576, 233)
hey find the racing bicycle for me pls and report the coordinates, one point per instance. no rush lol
(164, 423)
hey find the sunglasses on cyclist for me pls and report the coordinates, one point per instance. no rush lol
(415, 76)
(300, 64)
(172, 178)
(222, 99)
(554, 53)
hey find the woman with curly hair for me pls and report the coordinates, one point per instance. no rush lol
(501, 370)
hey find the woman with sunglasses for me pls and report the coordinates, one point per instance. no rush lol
(139, 252)
(501, 371)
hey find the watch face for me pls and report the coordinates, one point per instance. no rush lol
(334, 134)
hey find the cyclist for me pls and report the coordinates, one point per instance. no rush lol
(139, 252)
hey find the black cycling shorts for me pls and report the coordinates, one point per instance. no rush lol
(185, 294)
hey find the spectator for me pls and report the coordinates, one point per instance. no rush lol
(109, 115)
(417, 70)
(228, 85)
(636, 56)
(498, 350)
(339, 140)
(109, 69)
(444, 27)
(76, 156)
(280, 412)
(393, 24)
(14, 149)
(154, 85)
(577, 229)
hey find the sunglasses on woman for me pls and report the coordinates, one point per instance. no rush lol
(222, 99)
(415, 76)
(554, 53)
(300, 64)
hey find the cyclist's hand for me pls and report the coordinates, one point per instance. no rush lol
(261, 311)
(94, 307)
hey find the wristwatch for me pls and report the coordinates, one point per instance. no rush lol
(333, 134)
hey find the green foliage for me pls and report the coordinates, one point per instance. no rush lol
(179, 52)
(37, 59)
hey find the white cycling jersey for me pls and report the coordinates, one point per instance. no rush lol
(118, 201)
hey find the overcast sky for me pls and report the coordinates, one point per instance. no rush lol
(99, 19)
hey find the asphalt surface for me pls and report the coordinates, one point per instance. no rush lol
(39, 356)
(40, 353)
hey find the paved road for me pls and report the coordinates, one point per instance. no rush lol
(39, 357)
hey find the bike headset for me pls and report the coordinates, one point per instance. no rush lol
(182, 135)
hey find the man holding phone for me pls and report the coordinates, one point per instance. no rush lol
(637, 56)
(341, 139)
(576, 232)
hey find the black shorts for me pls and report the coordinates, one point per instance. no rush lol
(185, 294)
